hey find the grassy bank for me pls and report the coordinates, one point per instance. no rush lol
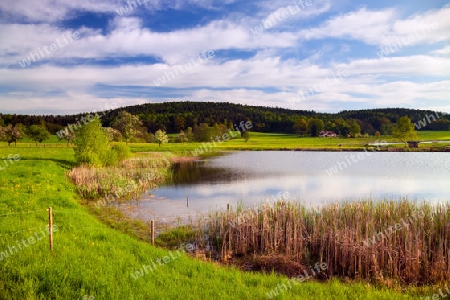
(92, 259)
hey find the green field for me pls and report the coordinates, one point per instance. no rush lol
(92, 259)
(262, 141)
(274, 141)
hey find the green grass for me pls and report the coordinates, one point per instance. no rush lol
(274, 141)
(434, 135)
(53, 139)
(89, 258)
(263, 141)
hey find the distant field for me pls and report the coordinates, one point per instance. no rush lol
(274, 141)
(259, 141)
(434, 135)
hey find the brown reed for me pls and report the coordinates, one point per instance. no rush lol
(377, 240)
(130, 179)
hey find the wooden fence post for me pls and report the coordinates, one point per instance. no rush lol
(50, 227)
(152, 231)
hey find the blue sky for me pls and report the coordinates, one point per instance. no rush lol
(69, 56)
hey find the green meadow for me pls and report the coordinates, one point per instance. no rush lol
(275, 141)
(92, 259)
(264, 141)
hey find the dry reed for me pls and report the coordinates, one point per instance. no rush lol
(400, 240)
(130, 179)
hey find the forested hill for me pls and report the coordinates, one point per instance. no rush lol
(174, 116)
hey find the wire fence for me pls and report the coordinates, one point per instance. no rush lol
(23, 212)
(60, 226)
(33, 145)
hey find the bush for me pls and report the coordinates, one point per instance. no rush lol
(137, 140)
(121, 151)
(111, 159)
(92, 145)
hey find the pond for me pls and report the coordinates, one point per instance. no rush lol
(314, 178)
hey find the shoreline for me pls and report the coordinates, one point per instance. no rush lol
(442, 149)
(366, 150)
(184, 159)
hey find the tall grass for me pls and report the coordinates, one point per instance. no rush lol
(130, 179)
(347, 237)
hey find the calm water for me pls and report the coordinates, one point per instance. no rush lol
(252, 177)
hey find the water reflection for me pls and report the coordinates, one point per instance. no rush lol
(198, 172)
(252, 177)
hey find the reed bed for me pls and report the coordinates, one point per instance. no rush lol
(377, 240)
(128, 180)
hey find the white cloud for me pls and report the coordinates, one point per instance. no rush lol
(367, 77)
(431, 27)
(363, 25)
(398, 67)
(416, 80)
(19, 40)
(295, 11)
(383, 27)
(49, 11)
(128, 38)
(72, 102)
(445, 50)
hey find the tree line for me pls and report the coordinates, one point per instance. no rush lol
(174, 117)
(126, 128)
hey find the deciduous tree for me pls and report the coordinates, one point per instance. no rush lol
(127, 124)
(355, 129)
(203, 133)
(404, 130)
(113, 134)
(38, 133)
(245, 135)
(300, 126)
(315, 126)
(179, 123)
(161, 137)
(12, 134)
(189, 134)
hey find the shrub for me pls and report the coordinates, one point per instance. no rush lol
(121, 150)
(92, 145)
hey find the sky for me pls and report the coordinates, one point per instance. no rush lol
(71, 56)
